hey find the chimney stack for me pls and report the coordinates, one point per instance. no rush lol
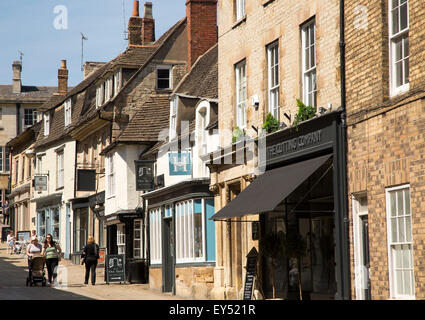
(202, 27)
(135, 27)
(17, 83)
(63, 78)
(148, 25)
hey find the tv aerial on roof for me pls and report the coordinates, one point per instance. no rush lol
(83, 37)
(21, 54)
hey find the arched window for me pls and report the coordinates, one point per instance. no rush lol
(202, 121)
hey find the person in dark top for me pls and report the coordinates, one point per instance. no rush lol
(89, 258)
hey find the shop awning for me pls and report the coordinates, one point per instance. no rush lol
(271, 188)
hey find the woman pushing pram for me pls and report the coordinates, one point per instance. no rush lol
(35, 263)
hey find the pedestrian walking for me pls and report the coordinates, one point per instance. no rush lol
(6, 213)
(33, 250)
(89, 258)
(52, 252)
(10, 241)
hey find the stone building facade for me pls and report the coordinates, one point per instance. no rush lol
(250, 34)
(385, 104)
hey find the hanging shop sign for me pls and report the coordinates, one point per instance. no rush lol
(144, 175)
(40, 183)
(179, 163)
(86, 180)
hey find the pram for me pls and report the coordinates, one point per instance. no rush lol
(20, 247)
(36, 271)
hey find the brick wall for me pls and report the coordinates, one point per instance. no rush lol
(385, 134)
(202, 27)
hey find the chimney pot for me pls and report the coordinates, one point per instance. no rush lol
(148, 10)
(63, 78)
(136, 8)
(148, 25)
(16, 80)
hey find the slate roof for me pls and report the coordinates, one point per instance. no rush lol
(148, 122)
(28, 93)
(202, 80)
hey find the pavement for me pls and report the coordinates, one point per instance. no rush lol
(14, 271)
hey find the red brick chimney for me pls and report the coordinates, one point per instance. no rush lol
(148, 25)
(63, 78)
(201, 27)
(135, 27)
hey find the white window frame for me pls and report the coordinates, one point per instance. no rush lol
(111, 181)
(173, 117)
(184, 221)
(139, 239)
(46, 119)
(60, 171)
(239, 9)
(100, 94)
(34, 116)
(393, 38)
(68, 112)
(109, 88)
(273, 86)
(309, 75)
(202, 121)
(241, 94)
(361, 277)
(121, 238)
(390, 243)
(117, 81)
(170, 78)
(155, 236)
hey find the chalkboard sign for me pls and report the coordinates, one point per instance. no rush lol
(115, 268)
(251, 272)
(144, 175)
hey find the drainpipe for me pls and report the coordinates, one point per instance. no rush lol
(345, 294)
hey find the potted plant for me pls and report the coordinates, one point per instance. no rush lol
(237, 134)
(295, 247)
(271, 246)
(271, 124)
(304, 113)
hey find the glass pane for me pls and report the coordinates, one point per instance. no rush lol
(137, 253)
(403, 17)
(399, 282)
(395, 24)
(136, 224)
(408, 229)
(400, 203)
(398, 50)
(307, 59)
(401, 232)
(163, 84)
(406, 46)
(399, 73)
(398, 257)
(312, 56)
(406, 201)
(406, 70)
(407, 287)
(394, 3)
(407, 263)
(312, 34)
(198, 241)
(137, 244)
(276, 76)
(394, 237)
(163, 73)
(137, 234)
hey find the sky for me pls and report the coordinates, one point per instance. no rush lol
(48, 31)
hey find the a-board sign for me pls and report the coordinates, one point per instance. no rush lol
(251, 273)
(101, 260)
(115, 268)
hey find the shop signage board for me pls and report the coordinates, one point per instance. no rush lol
(40, 183)
(179, 163)
(115, 268)
(144, 175)
(251, 273)
(101, 260)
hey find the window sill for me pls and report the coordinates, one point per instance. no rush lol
(167, 90)
(399, 91)
(239, 22)
(60, 188)
(267, 2)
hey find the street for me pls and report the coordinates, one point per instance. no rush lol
(14, 271)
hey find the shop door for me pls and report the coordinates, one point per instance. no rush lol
(68, 232)
(167, 258)
(364, 224)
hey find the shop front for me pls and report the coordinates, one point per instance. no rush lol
(182, 239)
(300, 206)
(48, 217)
(125, 235)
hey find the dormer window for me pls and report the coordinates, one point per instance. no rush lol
(163, 77)
(100, 94)
(117, 81)
(68, 112)
(173, 118)
(109, 88)
(46, 119)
